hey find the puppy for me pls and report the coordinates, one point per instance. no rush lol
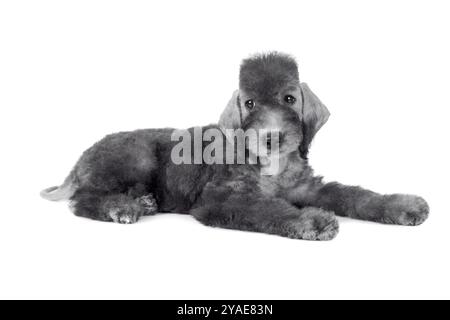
(131, 174)
(273, 78)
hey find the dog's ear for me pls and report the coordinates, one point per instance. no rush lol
(314, 115)
(231, 116)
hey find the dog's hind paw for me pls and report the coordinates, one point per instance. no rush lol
(407, 210)
(149, 204)
(315, 224)
(125, 216)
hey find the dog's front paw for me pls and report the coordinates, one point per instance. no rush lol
(407, 210)
(315, 224)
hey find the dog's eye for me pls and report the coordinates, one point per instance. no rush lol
(250, 104)
(290, 99)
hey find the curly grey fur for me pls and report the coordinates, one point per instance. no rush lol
(130, 174)
(265, 75)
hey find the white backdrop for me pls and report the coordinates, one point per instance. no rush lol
(74, 71)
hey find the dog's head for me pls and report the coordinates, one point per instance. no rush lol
(270, 91)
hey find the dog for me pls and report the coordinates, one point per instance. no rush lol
(132, 174)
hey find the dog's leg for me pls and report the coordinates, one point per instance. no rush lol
(120, 208)
(272, 216)
(355, 202)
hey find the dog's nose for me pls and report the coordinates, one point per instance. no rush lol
(273, 140)
(269, 141)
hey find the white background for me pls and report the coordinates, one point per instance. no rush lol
(74, 71)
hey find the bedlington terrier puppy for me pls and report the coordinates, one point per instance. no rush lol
(272, 189)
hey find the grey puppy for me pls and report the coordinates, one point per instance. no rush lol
(131, 174)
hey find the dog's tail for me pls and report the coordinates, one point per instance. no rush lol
(63, 192)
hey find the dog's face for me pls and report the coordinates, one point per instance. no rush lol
(270, 96)
(278, 128)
